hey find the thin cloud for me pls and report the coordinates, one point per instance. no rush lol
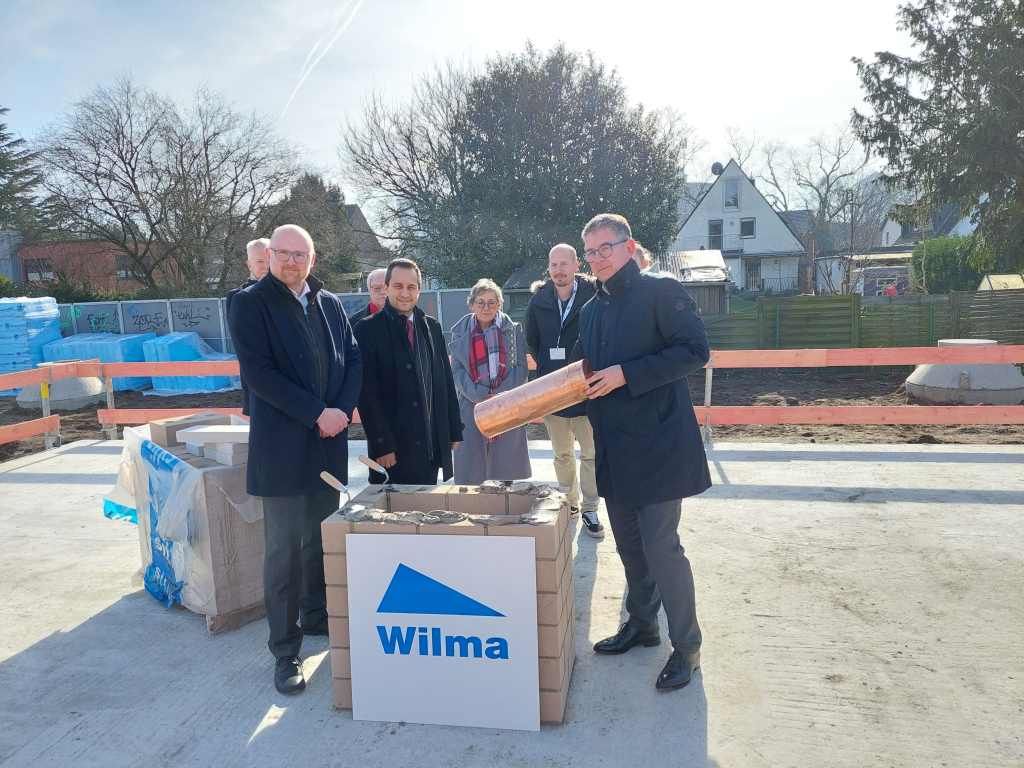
(311, 60)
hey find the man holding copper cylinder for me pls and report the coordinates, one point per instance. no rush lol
(642, 337)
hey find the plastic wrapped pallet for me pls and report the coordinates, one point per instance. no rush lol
(108, 348)
(200, 533)
(186, 346)
(26, 326)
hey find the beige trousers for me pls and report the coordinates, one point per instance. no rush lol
(563, 432)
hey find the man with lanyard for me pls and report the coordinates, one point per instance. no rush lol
(552, 327)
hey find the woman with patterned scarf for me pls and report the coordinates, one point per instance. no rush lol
(488, 353)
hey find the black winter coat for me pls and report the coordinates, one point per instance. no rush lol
(228, 299)
(648, 444)
(275, 353)
(542, 330)
(389, 405)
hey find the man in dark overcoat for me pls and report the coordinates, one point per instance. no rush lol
(300, 361)
(408, 405)
(642, 336)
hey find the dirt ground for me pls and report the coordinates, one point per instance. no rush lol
(807, 386)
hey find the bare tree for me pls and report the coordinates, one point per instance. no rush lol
(742, 148)
(176, 194)
(408, 161)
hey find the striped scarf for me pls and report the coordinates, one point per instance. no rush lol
(483, 344)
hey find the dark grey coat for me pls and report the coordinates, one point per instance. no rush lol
(648, 445)
(507, 457)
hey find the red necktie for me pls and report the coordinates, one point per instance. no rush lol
(410, 331)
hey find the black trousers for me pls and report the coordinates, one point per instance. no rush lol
(293, 566)
(657, 571)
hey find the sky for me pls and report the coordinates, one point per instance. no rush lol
(780, 71)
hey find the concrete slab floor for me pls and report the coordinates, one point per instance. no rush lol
(861, 605)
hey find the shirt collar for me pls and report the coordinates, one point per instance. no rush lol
(302, 293)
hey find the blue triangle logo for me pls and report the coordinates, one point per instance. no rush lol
(413, 592)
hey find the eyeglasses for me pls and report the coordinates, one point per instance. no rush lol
(299, 257)
(602, 251)
(486, 304)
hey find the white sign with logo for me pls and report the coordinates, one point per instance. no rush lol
(443, 630)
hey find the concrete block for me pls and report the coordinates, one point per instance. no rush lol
(335, 570)
(550, 639)
(337, 601)
(215, 433)
(164, 432)
(228, 454)
(550, 572)
(546, 537)
(552, 705)
(461, 528)
(341, 663)
(341, 692)
(469, 500)
(419, 498)
(333, 531)
(337, 628)
(368, 526)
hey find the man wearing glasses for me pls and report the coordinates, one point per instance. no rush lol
(301, 364)
(642, 337)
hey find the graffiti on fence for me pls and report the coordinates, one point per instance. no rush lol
(192, 316)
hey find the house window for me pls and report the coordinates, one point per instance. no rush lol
(731, 193)
(715, 234)
(39, 271)
(747, 228)
(123, 271)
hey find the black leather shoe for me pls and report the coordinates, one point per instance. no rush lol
(678, 670)
(629, 634)
(288, 677)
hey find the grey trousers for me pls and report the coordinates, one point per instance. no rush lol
(657, 571)
(293, 566)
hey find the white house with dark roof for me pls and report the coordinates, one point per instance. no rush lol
(761, 249)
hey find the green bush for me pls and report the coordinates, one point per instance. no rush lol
(944, 264)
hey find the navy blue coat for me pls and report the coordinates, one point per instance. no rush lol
(544, 330)
(648, 444)
(286, 452)
(230, 296)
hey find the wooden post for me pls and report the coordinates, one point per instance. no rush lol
(855, 321)
(108, 384)
(709, 373)
(50, 440)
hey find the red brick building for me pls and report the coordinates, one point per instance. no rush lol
(93, 263)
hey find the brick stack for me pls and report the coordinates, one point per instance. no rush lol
(492, 511)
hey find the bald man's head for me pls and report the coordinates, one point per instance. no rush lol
(376, 284)
(257, 257)
(292, 255)
(563, 264)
